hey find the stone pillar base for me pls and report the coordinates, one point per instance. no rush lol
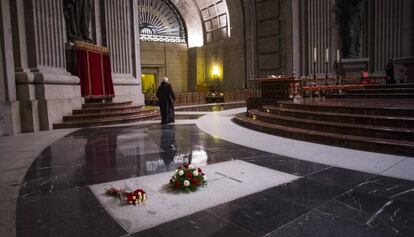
(45, 97)
(9, 118)
(128, 89)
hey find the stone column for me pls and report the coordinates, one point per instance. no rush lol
(314, 24)
(386, 20)
(296, 52)
(97, 22)
(250, 39)
(121, 26)
(9, 106)
(195, 68)
(319, 37)
(46, 89)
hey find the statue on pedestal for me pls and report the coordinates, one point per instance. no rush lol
(349, 14)
(77, 17)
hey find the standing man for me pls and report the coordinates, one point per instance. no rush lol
(166, 98)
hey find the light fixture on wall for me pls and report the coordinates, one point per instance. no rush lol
(216, 72)
(216, 76)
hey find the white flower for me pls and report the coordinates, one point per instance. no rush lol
(190, 166)
(186, 183)
(195, 173)
(205, 177)
(180, 173)
(176, 171)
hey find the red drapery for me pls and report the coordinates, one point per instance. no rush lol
(94, 70)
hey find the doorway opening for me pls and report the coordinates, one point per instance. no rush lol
(149, 83)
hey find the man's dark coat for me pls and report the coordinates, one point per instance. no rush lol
(166, 99)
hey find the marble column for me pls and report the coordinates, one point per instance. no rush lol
(317, 21)
(122, 39)
(47, 91)
(9, 106)
(386, 21)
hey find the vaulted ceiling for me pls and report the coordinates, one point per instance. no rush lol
(203, 21)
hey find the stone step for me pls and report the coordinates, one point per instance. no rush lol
(376, 111)
(373, 95)
(106, 110)
(381, 91)
(106, 105)
(89, 116)
(402, 85)
(106, 121)
(349, 141)
(334, 127)
(384, 121)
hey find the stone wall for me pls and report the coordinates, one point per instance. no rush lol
(228, 54)
(272, 36)
(166, 59)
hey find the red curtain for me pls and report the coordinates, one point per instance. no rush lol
(94, 71)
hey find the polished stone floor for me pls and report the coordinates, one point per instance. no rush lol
(55, 198)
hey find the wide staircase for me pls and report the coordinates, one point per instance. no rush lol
(98, 114)
(378, 128)
(402, 91)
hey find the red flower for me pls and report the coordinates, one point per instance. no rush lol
(186, 166)
(177, 184)
(189, 175)
(194, 182)
(130, 197)
(199, 170)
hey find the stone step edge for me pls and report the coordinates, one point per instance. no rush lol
(112, 119)
(339, 140)
(373, 95)
(289, 104)
(401, 85)
(91, 115)
(345, 125)
(338, 128)
(81, 111)
(339, 114)
(98, 105)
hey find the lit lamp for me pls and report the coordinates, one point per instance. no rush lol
(216, 72)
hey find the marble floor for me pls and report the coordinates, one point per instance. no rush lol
(329, 191)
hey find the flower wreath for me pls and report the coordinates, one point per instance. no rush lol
(136, 197)
(188, 178)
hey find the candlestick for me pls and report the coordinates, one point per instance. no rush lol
(326, 72)
(327, 55)
(315, 58)
(337, 55)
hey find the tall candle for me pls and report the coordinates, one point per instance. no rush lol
(314, 55)
(337, 55)
(327, 55)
